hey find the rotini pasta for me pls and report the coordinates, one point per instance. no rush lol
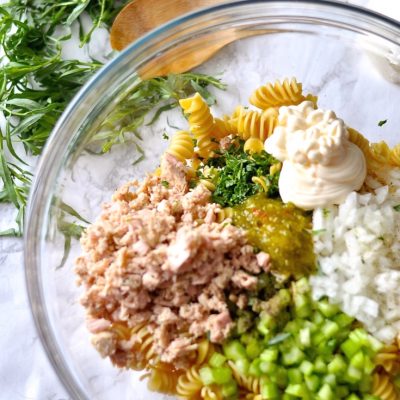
(253, 145)
(201, 123)
(189, 385)
(163, 378)
(224, 213)
(208, 184)
(286, 93)
(395, 156)
(361, 141)
(389, 359)
(251, 384)
(261, 180)
(143, 352)
(380, 155)
(252, 124)
(181, 146)
(383, 387)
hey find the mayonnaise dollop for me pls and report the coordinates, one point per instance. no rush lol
(320, 165)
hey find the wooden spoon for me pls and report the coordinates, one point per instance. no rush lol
(142, 16)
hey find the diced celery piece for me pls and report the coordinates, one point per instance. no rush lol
(365, 384)
(368, 366)
(302, 285)
(306, 367)
(330, 379)
(325, 349)
(287, 396)
(206, 375)
(338, 365)
(353, 375)
(343, 320)
(292, 327)
(305, 337)
(253, 349)
(268, 367)
(360, 336)
(353, 397)
(312, 382)
(318, 318)
(222, 375)
(327, 309)
(234, 350)
(325, 393)
(357, 360)
(350, 347)
(301, 302)
(293, 356)
(319, 365)
(370, 397)
(297, 390)
(243, 366)
(269, 390)
(375, 344)
(269, 355)
(330, 329)
(217, 360)
(254, 369)
(229, 390)
(280, 377)
(294, 376)
(247, 337)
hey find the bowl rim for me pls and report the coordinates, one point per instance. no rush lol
(53, 150)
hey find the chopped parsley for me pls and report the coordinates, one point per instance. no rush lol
(236, 169)
(382, 122)
(397, 208)
(165, 136)
(165, 184)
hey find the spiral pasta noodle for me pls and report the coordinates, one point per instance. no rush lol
(143, 350)
(253, 145)
(224, 213)
(285, 93)
(261, 180)
(395, 156)
(252, 124)
(163, 378)
(383, 387)
(389, 359)
(208, 184)
(249, 383)
(181, 146)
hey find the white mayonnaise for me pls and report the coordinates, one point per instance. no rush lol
(320, 165)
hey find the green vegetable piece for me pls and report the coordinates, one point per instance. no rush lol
(357, 360)
(325, 393)
(293, 356)
(267, 367)
(294, 376)
(217, 360)
(353, 375)
(368, 366)
(330, 379)
(312, 382)
(330, 329)
(234, 350)
(338, 365)
(285, 297)
(327, 309)
(243, 366)
(319, 365)
(206, 375)
(353, 396)
(229, 390)
(350, 347)
(253, 349)
(254, 369)
(269, 355)
(297, 390)
(343, 320)
(222, 375)
(269, 390)
(305, 337)
(306, 367)
(280, 377)
(342, 391)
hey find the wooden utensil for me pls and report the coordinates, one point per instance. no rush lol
(141, 16)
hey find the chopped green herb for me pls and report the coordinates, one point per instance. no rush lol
(236, 169)
(165, 136)
(165, 184)
(325, 212)
(317, 232)
(397, 207)
(383, 122)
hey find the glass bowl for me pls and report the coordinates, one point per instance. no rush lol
(346, 55)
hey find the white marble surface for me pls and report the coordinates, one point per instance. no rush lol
(25, 372)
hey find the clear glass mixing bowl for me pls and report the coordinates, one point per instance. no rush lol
(347, 56)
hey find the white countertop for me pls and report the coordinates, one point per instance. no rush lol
(25, 372)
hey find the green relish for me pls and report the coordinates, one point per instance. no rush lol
(281, 230)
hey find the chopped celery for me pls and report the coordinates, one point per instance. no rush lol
(337, 365)
(330, 329)
(297, 390)
(280, 377)
(294, 376)
(343, 320)
(234, 350)
(293, 356)
(222, 375)
(325, 393)
(253, 349)
(353, 397)
(217, 360)
(350, 347)
(267, 367)
(254, 369)
(269, 355)
(357, 360)
(306, 367)
(243, 366)
(206, 375)
(305, 337)
(229, 389)
(327, 309)
(330, 379)
(312, 382)
(269, 390)
(353, 375)
(342, 391)
(319, 365)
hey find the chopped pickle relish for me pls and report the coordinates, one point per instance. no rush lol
(281, 230)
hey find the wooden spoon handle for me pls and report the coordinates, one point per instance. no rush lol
(142, 16)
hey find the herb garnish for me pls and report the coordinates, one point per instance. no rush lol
(383, 122)
(236, 169)
(36, 84)
(397, 208)
(165, 184)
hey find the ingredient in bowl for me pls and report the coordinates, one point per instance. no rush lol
(281, 230)
(358, 252)
(320, 165)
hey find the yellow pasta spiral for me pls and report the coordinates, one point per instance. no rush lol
(224, 213)
(253, 145)
(205, 350)
(286, 93)
(181, 147)
(262, 181)
(395, 155)
(201, 123)
(252, 124)
(221, 128)
(163, 378)
(383, 387)
(143, 349)
(380, 154)
(208, 184)
(122, 331)
(189, 385)
(249, 383)
(361, 141)
(389, 359)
